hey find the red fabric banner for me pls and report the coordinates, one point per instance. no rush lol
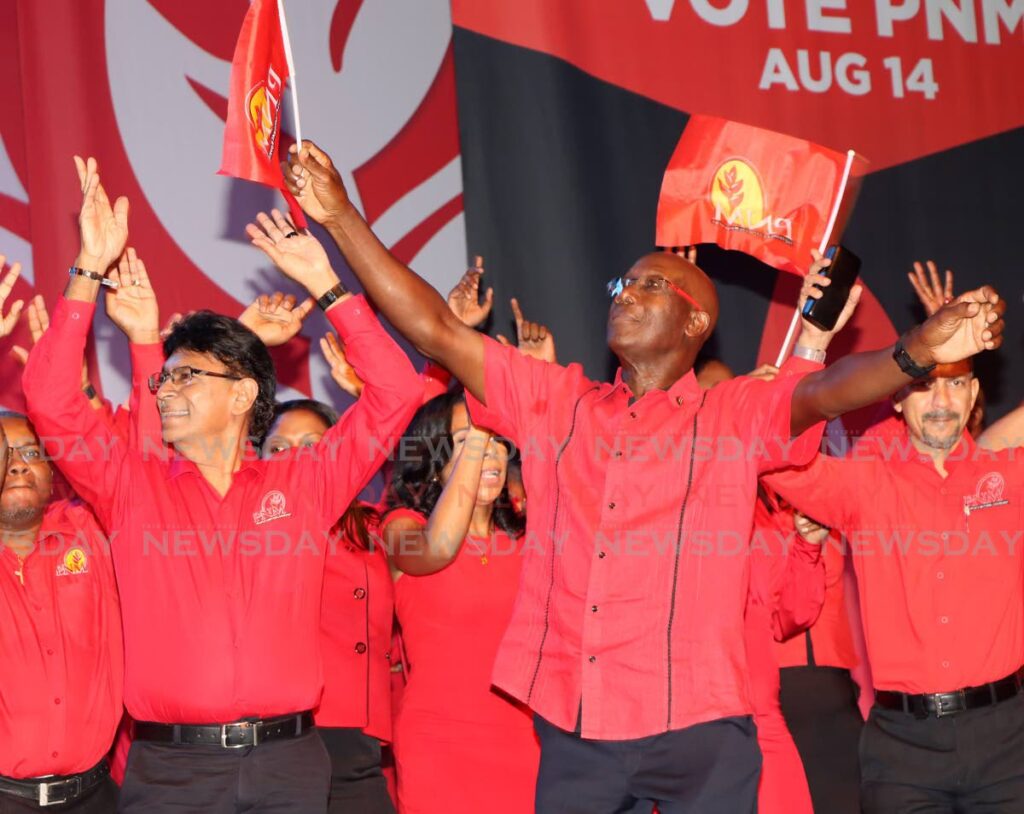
(756, 191)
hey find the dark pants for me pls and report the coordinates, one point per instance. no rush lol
(288, 776)
(100, 800)
(820, 708)
(357, 783)
(709, 768)
(967, 763)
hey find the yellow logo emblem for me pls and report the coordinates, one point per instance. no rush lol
(263, 106)
(75, 562)
(737, 195)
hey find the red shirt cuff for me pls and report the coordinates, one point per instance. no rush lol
(352, 315)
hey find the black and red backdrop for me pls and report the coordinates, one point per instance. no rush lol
(570, 110)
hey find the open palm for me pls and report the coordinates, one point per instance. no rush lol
(132, 306)
(275, 319)
(103, 228)
(298, 254)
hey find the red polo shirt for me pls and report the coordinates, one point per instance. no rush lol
(939, 561)
(635, 559)
(60, 647)
(221, 595)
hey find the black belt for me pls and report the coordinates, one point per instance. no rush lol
(57, 789)
(229, 736)
(941, 704)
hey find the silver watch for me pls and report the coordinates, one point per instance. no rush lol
(810, 354)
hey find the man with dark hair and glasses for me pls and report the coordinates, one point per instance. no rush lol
(219, 555)
(627, 636)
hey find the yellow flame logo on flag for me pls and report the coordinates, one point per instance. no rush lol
(735, 188)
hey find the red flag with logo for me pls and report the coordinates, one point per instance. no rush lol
(252, 132)
(769, 195)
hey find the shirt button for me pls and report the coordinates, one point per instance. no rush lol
(618, 453)
(593, 608)
(679, 400)
(944, 620)
(593, 659)
(360, 648)
(945, 535)
(359, 593)
(940, 575)
(945, 664)
(49, 651)
(611, 505)
(601, 555)
(56, 700)
(632, 414)
(55, 754)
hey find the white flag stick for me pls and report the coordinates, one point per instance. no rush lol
(825, 239)
(291, 72)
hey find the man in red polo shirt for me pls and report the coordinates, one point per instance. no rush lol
(627, 635)
(60, 641)
(935, 531)
(219, 555)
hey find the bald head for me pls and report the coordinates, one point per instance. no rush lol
(685, 274)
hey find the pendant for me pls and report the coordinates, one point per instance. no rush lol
(483, 560)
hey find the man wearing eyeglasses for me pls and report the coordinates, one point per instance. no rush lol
(626, 639)
(219, 555)
(60, 641)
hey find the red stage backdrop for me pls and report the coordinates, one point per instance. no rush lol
(142, 85)
(570, 110)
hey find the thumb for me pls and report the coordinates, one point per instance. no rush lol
(302, 311)
(19, 353)
(503, 340)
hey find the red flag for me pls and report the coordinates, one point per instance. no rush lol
(770, 195)
(252, 133)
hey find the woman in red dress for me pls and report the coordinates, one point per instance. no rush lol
(454, 540)
(354, 715)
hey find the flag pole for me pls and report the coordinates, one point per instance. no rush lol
(825, 238)
(291, 72)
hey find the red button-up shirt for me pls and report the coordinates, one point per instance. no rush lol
(60, 647)
(635, 560)
(221, 595)
(939, 561)
(358, 612)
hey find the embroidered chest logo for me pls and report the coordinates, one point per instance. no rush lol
(272, 507)
(987, 494)
(75, 562)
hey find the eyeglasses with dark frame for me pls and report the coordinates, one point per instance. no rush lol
(182, 377)
(649, 283)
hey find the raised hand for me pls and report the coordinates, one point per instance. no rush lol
(10, 319)
(132, 306)
(932, 294)
(275, 318)
(103, 228)
(810, 335)
(341, 371)
(311, 177)
(973, 322)
(534, 339)
(810, 530)
(464, 299)
(298, 254)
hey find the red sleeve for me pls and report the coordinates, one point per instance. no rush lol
(145, 425)
(435, 380)
(823, 489)
(78, 438)
(761, 419)
(800, 593)
(402, 513)
(359, 443)
(522, 392)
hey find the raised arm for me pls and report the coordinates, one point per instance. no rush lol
(410, 303)
(960, 329)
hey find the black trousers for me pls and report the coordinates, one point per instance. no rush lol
(709, 768)
(820, 708)
(287, 776)
(100, 800)
(967, 763)
(357, 784)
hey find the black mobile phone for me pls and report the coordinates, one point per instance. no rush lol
(824, 313)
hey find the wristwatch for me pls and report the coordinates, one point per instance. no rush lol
(74, 271)
(907, 364)
(332, 296)
(810, 354)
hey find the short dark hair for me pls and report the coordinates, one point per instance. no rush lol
(426, 449)
(324, 412)
(237, 348)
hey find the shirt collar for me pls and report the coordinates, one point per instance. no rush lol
(685, 390)
(181, 465)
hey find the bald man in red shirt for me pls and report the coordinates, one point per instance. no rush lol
(626, 638)
(60, 641)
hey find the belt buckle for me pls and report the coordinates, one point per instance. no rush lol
(71, 783)
(224, 735)
(941, 711)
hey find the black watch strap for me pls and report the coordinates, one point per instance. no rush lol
(332, 296)
(907, 364)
